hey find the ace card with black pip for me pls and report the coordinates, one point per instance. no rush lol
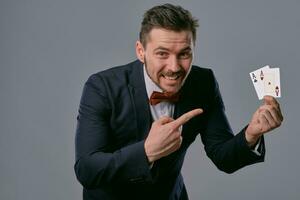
(266, 81)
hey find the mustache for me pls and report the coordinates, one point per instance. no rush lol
(171, 73)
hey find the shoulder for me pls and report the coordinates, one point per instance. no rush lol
(116, 73)
(118, 77)
(201, 75)
(201, 71)
(201, 79)
(114, 81)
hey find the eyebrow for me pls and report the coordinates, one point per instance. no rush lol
(166, 49)
(161, 48)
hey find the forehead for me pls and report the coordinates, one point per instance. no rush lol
(164, 37)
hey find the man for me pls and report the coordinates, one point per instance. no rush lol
(136, 121)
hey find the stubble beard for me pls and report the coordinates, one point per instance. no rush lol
(181, 73)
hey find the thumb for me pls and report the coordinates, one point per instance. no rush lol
(268, 100)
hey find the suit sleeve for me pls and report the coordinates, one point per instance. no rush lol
(228, 152)
(97, 165)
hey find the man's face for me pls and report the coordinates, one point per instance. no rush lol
(168, 57)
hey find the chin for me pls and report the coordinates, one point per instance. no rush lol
(171, 89)
(174, 87)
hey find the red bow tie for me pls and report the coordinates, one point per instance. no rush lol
(157, 97)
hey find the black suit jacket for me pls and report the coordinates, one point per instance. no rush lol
(114, 120)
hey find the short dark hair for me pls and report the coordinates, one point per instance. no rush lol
(169, 17)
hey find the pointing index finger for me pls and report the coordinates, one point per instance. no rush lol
(186, 117)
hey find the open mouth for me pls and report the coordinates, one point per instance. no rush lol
(174, 77)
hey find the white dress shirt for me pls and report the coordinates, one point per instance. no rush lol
(162, 108)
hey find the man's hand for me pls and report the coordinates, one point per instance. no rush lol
(266, 118)
(165, 135)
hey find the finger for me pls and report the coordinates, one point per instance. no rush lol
(279, 110)
(269, 100)
(180, 128)
(264, 125)
(175, 136)
(164, 120)
(179, 142)
(274, 112)
(280, 113)
(173, 146)
(176, 144)
(276, 115)
(271, 121)
(186, 117)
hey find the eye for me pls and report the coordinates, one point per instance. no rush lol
(185, 55)
(162, 54)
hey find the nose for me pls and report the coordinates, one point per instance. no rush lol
(173, 64)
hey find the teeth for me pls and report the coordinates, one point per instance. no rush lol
(171, 77)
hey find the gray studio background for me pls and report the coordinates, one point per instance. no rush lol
(49, 48)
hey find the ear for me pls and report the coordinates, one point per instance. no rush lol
(140, 52)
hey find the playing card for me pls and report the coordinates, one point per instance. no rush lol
(272, 83)
(257, 78)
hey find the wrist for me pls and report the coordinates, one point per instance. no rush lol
(251, 140)
(150, 157)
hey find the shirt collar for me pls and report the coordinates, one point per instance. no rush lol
(150, 85)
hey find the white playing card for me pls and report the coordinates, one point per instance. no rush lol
(272, 83)
(257, 78)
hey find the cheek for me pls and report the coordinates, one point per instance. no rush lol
(156, 67)
(186, 66)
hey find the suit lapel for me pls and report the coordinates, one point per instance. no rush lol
(139, 97)
(186, 103)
